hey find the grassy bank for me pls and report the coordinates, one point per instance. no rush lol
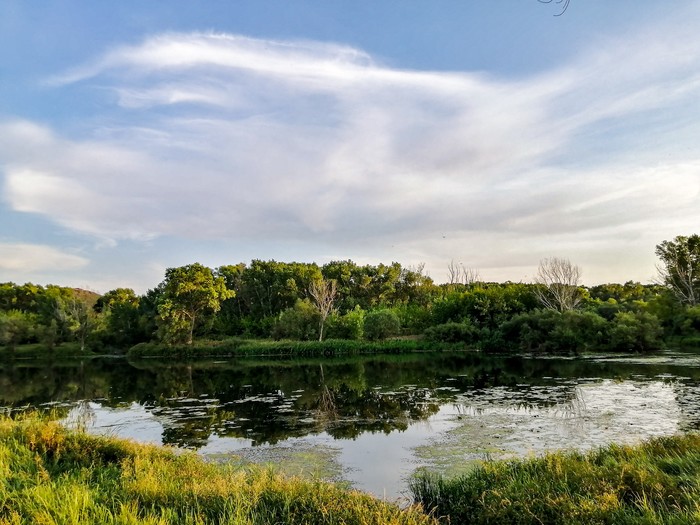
(40, 351)
(265, 347)
(51, 475)
(656, 482)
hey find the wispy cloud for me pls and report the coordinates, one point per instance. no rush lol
(224, 137)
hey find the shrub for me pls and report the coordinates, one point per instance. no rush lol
(551, 331)
(452, 333)
(635, 331)
(348, 326)
(380, 324)
(300, 322)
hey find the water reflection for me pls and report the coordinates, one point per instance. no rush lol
(378, 417)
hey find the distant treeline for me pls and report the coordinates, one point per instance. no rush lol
(343, 300)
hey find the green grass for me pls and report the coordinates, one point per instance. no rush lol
(40, 351)
(656, 482)
(265, 347)
(50, 475)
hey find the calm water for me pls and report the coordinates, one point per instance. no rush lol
(371, 421)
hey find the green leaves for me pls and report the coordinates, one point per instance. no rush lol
(189, 294)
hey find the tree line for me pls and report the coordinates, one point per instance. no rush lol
(344, 300)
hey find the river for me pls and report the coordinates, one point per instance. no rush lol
(370, 421)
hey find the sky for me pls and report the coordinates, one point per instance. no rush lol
(141, 135)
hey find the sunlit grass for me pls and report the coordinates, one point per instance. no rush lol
(656, 482)
(50, 475)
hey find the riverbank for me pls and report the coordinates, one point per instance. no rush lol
(49, 474)
(38, 351)
(655, 482)
(52, 475)
(235, 347)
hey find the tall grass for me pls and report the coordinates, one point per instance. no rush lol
(656, 482)
(50, 475)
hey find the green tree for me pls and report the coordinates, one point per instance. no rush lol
(189, 294)
(635, 331)
(120, 310)
(78, 317)
(15, 328)
(680, 267)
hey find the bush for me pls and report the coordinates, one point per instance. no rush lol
(452, 333)
(301, 322)
(636, 332)
(380, 324)
(348, 326)
(551, 331)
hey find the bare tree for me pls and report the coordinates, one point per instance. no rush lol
(457, 273)
(323, 293)
(680, 267)
(559, 282)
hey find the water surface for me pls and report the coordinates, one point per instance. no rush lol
(371, 421)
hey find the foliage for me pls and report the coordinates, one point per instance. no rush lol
(414, 318)
(380, 324)
(690, 322)
(120, 309)
(274, 299)
(301, 322)
(463, 332)
(52, 475)
(347, 326)
(189, 293)
(635, 331)
(656, 482)
(16, 327)
(552, 331)
(485, 305)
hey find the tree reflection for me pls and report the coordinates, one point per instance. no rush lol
(267, 402)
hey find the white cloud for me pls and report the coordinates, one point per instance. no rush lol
(225, 137)
(19, 258)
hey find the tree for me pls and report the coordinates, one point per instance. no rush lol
(558, 282)
(457, 273)
(120, 310)
(78, 317)
(190, 293)
(323, 294)
(15, 328)
(680, 267)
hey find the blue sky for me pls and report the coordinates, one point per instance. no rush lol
(141, 135)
